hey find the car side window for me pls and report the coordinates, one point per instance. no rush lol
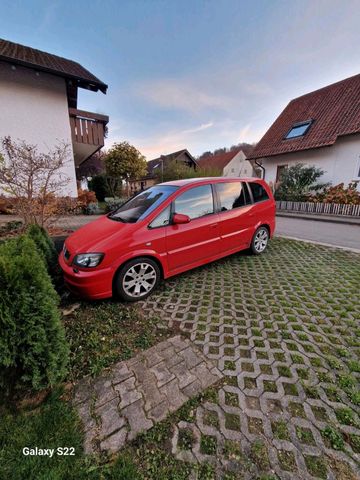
(231, 195)
(162, 219)
(258, 192)
(196, 202)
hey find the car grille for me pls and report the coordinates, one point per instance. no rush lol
(66, 253)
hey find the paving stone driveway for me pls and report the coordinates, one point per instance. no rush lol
(284, 329)
(139, 392)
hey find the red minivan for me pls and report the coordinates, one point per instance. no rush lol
(165, 230)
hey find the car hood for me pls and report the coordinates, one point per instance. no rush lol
(94, 235)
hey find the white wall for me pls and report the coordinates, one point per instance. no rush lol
(238, 167)
(341, 162)
(33, 107)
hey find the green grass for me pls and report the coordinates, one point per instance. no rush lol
(103, 333)
(259, 455)
(208, 445)
(186, 439)
(280, 430)
(316, 466)
(334, 437)
(53, 425)
(346, 416)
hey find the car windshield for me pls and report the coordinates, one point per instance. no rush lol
(142, 204)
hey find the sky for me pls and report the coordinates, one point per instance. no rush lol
(193, 74)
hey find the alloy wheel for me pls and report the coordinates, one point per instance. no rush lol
(139, 280)
(261, 240)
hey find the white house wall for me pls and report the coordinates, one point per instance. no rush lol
(33, 107)
(341, 162)
(238, 167)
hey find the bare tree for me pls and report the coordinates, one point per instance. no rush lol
(33, 179)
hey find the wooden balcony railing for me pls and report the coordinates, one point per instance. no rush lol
(87, 127)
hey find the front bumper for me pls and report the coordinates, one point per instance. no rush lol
(94, 284)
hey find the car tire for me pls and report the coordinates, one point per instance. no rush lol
(137, 279)
(260, 241)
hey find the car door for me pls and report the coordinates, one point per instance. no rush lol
(236, 215)
(198, 241)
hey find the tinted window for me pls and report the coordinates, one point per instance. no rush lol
(258, 192)
(162, 219)
(196, 202)
(231, 195)
(142, 204)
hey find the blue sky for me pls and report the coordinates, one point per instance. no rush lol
(195, 74)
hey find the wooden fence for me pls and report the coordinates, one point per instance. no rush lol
(319, 208)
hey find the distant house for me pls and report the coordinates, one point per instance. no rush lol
(39, 104)
(230, 164)
(321, 128)
(156, 167)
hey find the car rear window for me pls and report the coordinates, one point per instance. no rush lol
(258, 192)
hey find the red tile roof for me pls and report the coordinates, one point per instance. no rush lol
(335, 111)
(30, 57)
(222, 159)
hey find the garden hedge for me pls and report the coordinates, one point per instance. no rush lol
(33, 349)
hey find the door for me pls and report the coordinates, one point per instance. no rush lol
(236, 215)
(198, 240)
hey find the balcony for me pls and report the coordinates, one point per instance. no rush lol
(88, 133)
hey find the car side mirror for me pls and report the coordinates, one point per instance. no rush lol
(179, 218)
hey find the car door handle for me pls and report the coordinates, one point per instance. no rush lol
(213, 225)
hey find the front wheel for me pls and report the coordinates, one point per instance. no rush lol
(260, 241)
(137, 279)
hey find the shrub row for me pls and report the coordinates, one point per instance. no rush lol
(33, 348)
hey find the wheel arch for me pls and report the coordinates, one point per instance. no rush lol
(263, 224)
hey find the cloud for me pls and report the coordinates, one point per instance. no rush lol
(180, 94)
(48, 17)
(202, 127)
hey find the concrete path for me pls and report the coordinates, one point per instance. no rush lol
(341, 235)
(140, 392)
(320, 218)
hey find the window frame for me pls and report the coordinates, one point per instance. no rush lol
(218, 203)
(357, 170)
(278, 170)
(172, 210)
(299, 124)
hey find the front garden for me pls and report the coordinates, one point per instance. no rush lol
(283, 328)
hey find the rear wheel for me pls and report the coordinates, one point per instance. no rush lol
(260, 240)
(137, 279)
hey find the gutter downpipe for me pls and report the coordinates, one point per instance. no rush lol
(262, 168)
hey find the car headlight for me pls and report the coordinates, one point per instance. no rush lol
(88, 259)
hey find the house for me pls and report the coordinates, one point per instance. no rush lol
(321, 128)
(156, 167)
(39, 104)
(230, 164)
